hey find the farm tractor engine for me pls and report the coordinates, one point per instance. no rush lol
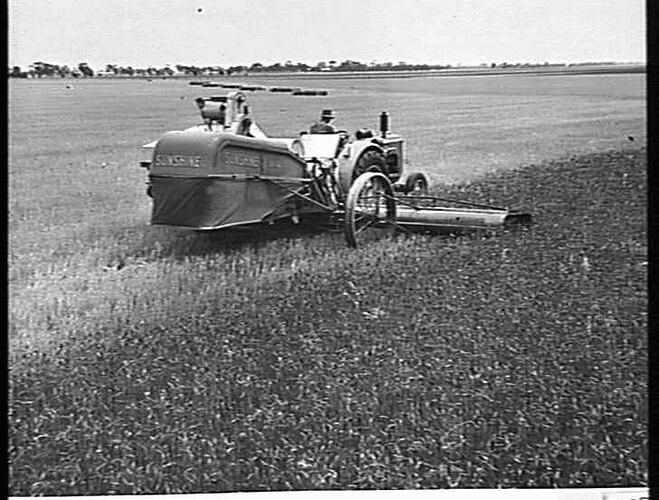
(226, 172)
(366, 151)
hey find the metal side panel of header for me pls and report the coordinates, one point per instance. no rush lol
(198, 153)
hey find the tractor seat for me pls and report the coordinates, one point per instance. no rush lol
(321, 145)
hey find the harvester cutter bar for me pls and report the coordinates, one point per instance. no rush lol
(468, 216)
(434, 199)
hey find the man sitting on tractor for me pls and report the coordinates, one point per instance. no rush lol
(324, 126)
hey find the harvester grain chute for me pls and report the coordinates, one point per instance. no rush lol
(226, 172)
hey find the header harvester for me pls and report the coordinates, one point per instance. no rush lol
(226, 172)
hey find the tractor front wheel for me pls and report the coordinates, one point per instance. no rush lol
(370, 208)
(416, 185)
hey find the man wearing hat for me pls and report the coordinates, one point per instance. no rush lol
(324, 126)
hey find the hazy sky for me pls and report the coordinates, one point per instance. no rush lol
(231, 32)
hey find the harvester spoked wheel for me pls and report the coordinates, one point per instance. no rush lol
(369, 161)
(416, 185)
(370, 209)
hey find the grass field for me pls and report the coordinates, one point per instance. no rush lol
(148, 359)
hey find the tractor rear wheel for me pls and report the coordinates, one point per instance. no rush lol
(369, 161)
(370, 209)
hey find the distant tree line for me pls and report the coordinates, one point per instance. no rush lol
(41, 69)
(347, 65)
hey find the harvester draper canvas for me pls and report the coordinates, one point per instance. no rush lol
(212, 181)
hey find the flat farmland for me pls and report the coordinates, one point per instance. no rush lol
(459, 127)
(149, 360)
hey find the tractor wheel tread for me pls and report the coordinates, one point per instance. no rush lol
(369, 161)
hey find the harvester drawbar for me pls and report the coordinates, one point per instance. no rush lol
(226, 172)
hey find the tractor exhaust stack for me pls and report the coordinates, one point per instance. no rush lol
(384, 124)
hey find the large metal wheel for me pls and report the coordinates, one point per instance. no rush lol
(370, 209)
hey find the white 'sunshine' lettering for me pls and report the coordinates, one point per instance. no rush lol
(165, 160)
(242, 159)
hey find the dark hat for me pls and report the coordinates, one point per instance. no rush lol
(327, 113)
